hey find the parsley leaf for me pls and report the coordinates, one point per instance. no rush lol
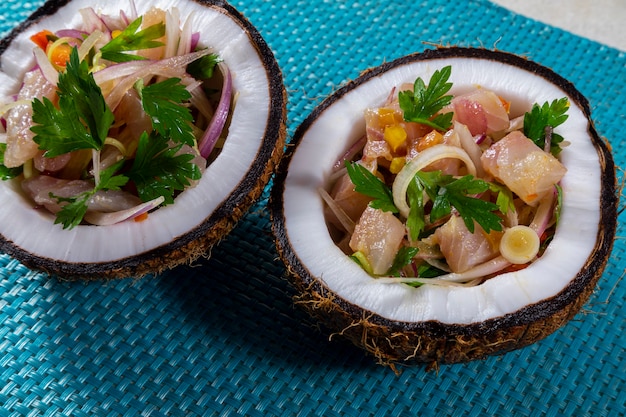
(370, 185)
(428, 271)
(416, 222)
(158, 171)
(162, 101)
(424, 102)
(130, 39)
(403, 258)
(423, 181)
(446, 192)
(504, 200)
(7, 173)
(72, 213)
(543, 118)
(82, 119)
(203, 67)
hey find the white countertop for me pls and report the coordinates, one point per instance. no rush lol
(600, 20)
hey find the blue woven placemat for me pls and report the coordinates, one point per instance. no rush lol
(221, 337)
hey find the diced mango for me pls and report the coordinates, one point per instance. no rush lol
(388, 117)
(397, 164)
(395, 136)
(431, 139)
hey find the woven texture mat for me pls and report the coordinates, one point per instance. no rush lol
(222, 337)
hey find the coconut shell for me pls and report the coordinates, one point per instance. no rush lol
(432, 342)
(196, 242)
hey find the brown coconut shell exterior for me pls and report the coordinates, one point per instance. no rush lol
(198, 241)
(431, 342)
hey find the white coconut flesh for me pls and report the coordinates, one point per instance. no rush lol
(33, 230)
(340, 124)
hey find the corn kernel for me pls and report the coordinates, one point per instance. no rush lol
(395, 136)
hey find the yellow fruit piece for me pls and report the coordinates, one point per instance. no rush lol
(431, 139)
(395, 136)
(397, 164)
(387, 117)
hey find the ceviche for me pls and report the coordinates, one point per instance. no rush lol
(447, 189)
(116, 117)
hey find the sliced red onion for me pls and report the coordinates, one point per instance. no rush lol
(547, 145)
(89, 42)
(106, 219)
(199, 100)
(544, 213)
(115, 23)
(119, 70)
(172, 33)
(391, 97)
(216, 126)
(195, 38)
(92, 21)
(470, 146)
(350, 153)
(168, 67)
(71, 33)
(184, 44)
(132, 14)
(45, 66)
(345, 220)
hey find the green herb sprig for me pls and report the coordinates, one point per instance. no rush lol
(203, 67)
(163, 102)
(422, 104)
(546, 117)
(5, 172)
(133, 39)
(403, 258)
(157, 169)
(370, 185)
(446, 192)
(82, 119)
(72, 213)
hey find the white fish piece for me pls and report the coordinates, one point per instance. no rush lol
(20, 144)
(378, 235)
(523, 167)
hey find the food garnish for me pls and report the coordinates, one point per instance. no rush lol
(456, 189)
(128, 111)
(424, 102)
(540, 121)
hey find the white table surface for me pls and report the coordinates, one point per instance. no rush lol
(600, 20)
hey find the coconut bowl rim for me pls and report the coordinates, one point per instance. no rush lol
(579, 286)
(225, 215)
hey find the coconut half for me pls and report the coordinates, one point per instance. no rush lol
(200, 216)
(434, 324)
